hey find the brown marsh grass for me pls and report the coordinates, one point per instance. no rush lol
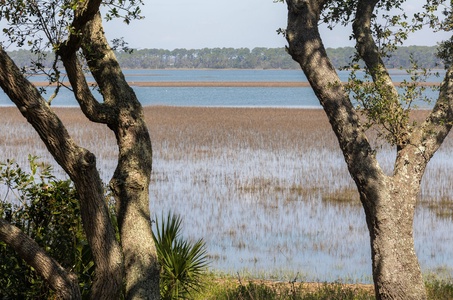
(267, 188)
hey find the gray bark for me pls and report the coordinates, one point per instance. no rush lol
(80, 165)
(122, 113)
(388, 201)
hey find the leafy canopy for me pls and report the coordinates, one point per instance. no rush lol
(46, 25)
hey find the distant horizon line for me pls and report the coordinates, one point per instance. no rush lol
(224, 47)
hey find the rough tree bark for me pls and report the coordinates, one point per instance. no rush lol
(80, 165)
(123, 114)
(388, 201)
(63, 282)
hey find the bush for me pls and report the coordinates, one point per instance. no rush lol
(439, 289)
(47, 210)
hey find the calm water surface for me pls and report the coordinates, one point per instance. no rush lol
(270, 234)
(216, 96)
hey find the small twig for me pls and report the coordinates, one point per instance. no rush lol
(239, 279)
(243, 286)
(293, 286)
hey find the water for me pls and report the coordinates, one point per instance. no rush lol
(218, 96)
(260, 233)
(276, 234)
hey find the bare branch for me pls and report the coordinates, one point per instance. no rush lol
(63, 282)
(437, 125)
(306, 47)
(103, 64)
(366, 45)
(90, 106)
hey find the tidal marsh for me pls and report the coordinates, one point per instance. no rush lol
(266, 188)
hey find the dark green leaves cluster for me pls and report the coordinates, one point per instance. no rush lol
(377, 103)
(47, 210)
(183, 263)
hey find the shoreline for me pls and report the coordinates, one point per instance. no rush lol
(245, 84)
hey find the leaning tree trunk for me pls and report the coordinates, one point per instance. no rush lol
(80, 165)
(123, 114)
(63, 282)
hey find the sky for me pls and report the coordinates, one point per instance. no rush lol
(198, 24)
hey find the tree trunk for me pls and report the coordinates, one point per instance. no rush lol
(80, 165)
(123, 114)
(388, 201)
(396, 272)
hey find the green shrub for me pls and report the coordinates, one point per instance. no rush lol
(439, 289)
(47, 210)
(183, 264)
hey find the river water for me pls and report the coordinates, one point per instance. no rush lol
(295, 97)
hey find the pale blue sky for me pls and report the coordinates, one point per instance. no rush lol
(205, 23)
(195, 24)
(234, 23)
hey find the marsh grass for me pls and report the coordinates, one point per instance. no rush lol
(343, 196)
(229, 287)
(443, 208)
(266, 188)
(237, 288)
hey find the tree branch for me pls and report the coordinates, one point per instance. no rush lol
(437, 125)
(430, 134)
(63, 282)
(370, 53)
(83, 14)
(104, 66)
(306, 47)
(95, 111)
(131, 179)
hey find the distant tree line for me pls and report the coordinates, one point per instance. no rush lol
(243, 58)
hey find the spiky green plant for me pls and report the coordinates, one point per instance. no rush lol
(183, 263)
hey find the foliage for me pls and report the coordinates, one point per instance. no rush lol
(251, 291)
(389, 111)
(439, 289)
(383, 105)
(46, 209)
(224, 289)
(261, 290)
(183, 264)
(45, 25)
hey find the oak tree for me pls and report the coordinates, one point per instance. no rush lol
(74, 31)
(388, 200)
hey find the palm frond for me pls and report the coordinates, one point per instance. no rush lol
(183, 263)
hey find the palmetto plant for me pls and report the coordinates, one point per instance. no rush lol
(182, 263)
